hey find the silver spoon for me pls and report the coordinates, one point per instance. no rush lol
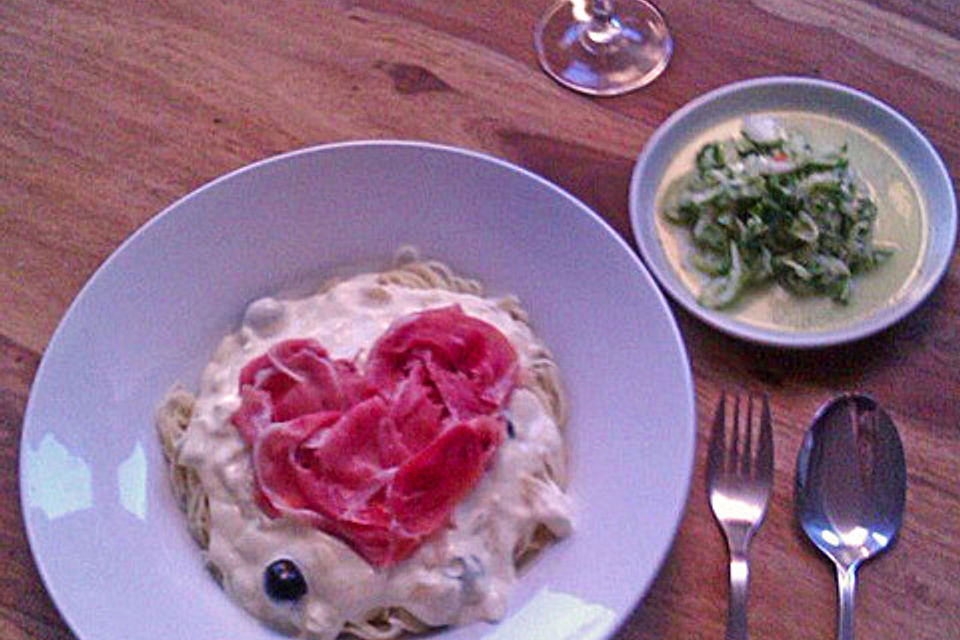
(850, 489)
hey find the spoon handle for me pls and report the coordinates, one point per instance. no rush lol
(846, 585)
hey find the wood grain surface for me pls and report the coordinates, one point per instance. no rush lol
(113, 110)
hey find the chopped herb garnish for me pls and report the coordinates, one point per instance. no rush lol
(768, 207)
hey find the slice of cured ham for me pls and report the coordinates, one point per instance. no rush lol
(468, 361)
(294, 378)
(379, 458)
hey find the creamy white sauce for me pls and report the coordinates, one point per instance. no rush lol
(464, 572)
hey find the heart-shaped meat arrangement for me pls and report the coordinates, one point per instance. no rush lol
(378, 457)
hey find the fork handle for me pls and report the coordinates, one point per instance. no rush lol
(737, 603)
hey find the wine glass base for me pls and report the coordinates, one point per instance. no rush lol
(628, 53)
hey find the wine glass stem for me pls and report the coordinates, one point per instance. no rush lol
(601, 9)
(603, 26)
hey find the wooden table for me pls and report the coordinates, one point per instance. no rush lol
(111, 111)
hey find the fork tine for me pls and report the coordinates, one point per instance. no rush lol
(765, 450)
(715, 454)
(735, 437)
(748, 440)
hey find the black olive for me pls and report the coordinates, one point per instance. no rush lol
(283, 581)
(511, 430)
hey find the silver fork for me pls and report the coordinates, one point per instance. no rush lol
(738, 484)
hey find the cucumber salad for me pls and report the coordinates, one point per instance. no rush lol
(765, 207)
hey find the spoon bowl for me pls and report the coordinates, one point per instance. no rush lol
(851, 487)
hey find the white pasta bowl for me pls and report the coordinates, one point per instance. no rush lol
(110, 544)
